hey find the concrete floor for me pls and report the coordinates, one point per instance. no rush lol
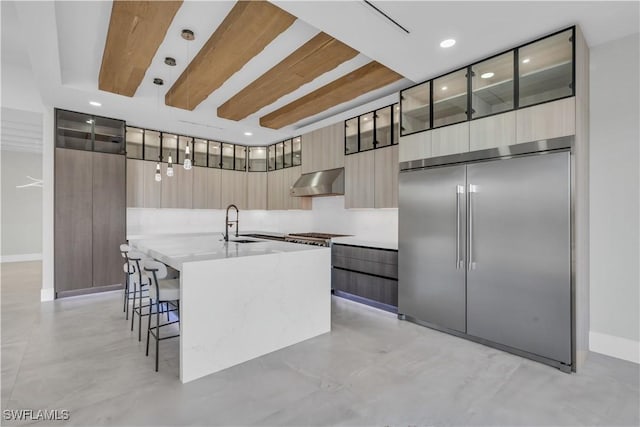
(78, 354)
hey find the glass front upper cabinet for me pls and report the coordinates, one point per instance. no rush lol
(257, 159)
(288, 153)
(396, 123)
(183, 141)
(545, 69)
(416, 108)
(227, 156)
(215, 154)
(279, 155)
(450, 98)
(297, 151)
(199, 152)
(272, 157)
(240, 158)
(383, 126)
(151, 145)
(134, 142)
(367, 136)
(169, 147)
(108, 135)
(492, 86)
(351, 136)
(74, 130)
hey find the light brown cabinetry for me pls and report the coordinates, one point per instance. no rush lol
(386, 172)
(493, 131)
(371, 178)
(290, 177)
(152, 189)
(415, 146)
(544, 121)
(323, 148)
(275, 190)
(450, 139)
(257, 190)
(206, 188)
(177, 190)
(135, 183)
(233, 189)
(90, 221)
(359, 180)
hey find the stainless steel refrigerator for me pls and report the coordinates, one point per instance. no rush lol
(485, 252)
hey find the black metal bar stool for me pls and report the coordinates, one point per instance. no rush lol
(161, 291)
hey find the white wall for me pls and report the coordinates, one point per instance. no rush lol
(614, 198)
(21, 207)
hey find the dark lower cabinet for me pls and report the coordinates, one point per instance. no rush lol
(90, 221)
(367, 275)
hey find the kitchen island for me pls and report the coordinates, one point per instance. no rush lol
(243, 298)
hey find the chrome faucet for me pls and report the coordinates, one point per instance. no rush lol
(228, 223)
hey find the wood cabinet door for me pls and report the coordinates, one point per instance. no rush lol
(257, 190)
(451, 139)
(415, 146)
(275, 187)
(135, 183)
(548, 120)
(331, 147)
(109, 218)
(169, 188)
(200, 178)
(73, 227)
(152, 189)
(214, 186)
(359, 180)
(386, 173)
(493, 131)
(233, 189)
(185, 187)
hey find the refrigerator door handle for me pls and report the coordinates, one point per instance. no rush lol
(472, 189)
(459, 261)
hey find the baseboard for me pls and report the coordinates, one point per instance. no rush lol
(21, 258)
(47, 294)
(621, 348)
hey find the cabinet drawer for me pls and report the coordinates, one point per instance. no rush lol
(363, 285)
(366, 254)
(364, 266)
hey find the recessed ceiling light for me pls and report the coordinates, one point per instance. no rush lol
(95, 103)
(188, 34)
(444, 88)
(366, 118)
(526, 60)
(447, 43)
(487, 75)
(90, 121)
(248, 133)
(170, 61)
(158, 81)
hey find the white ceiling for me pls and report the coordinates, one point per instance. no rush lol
(64, 41)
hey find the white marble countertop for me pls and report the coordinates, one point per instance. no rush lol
(176, 249)
(371, 243)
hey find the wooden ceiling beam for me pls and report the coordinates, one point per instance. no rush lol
(365, 79)
(244, 33)
(136, 30)
(320, 54)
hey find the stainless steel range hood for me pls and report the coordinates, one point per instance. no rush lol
(322, 183)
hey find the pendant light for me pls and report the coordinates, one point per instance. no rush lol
(170, 167)
(158, 174)
(187, 158)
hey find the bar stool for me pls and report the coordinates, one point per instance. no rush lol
(129, 270)
(140, 282)
(161, 290)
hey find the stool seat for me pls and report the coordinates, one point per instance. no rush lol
(169, 290)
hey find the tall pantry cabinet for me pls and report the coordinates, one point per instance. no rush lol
(89, 203)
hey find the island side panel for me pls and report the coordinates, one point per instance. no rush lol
(237, 309)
